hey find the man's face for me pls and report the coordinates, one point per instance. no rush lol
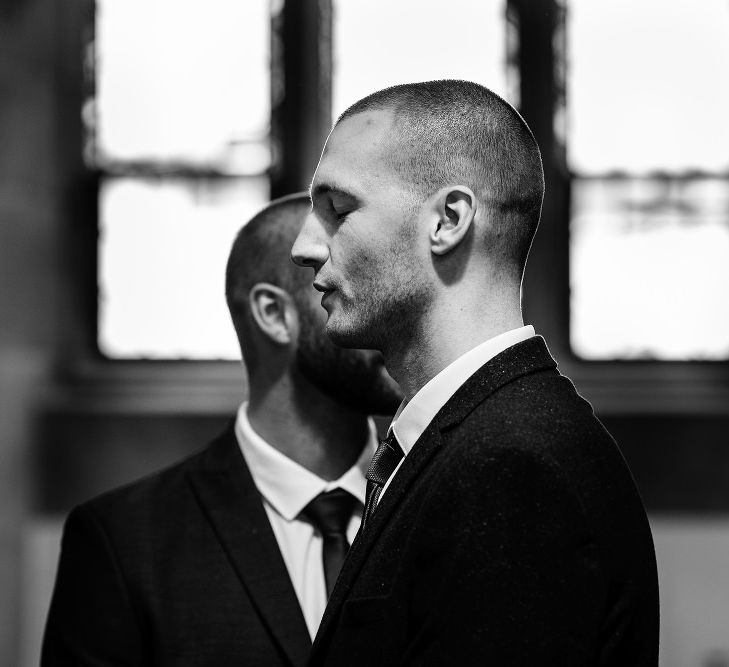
(356, 378)
(362, 240)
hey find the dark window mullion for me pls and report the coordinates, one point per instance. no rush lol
(539, 30)
(301, 55)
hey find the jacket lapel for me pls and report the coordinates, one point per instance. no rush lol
(232, 503)
(415, 462)
(527, 357)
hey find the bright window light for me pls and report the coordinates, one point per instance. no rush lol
(183, 81)
(647, 85)
(178, 126)
(379, 43)
(650, 269)
(163, 249)
(648, 147)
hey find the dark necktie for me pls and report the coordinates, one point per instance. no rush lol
(383, 464)
(330, 513)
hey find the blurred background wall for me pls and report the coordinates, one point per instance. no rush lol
(138, 136)
(29, 263)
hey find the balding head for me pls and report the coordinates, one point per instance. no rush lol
(458, 132)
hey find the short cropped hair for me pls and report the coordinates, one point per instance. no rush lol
(452, 132)
(261, 252)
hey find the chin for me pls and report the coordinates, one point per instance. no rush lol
(345, 335)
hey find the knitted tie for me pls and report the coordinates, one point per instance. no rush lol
(330, 513)
(383, 464)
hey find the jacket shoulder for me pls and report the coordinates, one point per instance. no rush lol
(160, 496)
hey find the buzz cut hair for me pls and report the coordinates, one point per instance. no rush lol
(450, 132)
(261, 253)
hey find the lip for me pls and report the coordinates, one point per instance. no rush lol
(325, 295)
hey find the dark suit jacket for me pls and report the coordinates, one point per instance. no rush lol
(512, 534)
(181, 568)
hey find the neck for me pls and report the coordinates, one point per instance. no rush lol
(308, 426)
(451, 330)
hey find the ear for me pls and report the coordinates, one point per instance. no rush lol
(456, 211)
(274, 313)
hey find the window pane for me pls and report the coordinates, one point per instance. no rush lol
(163, 248)
(183, 81)
(378, 43)
(648, 87)
(648, 99)
(650, 268)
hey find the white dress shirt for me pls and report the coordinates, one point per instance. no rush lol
(286, 488)
(413, 417)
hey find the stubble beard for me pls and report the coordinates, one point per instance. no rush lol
(384, 319)
(355, 378)
(384, 313)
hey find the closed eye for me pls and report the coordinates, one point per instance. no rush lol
(334, 203)
(341, 216)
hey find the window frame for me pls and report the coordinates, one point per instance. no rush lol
(616, 387)
(300, 123)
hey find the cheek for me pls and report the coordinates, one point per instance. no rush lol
(354, 257)
(373, 260)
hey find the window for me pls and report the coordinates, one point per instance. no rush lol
(378, 43)
(648, 149)
(178, 125)
(622, 200)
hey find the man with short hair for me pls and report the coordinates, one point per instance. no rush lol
(227, 558)
(502, 525)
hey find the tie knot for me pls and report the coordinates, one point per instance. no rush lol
(384, 461)
(330, 512)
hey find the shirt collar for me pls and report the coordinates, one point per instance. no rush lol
(413, 417)
(286, 485)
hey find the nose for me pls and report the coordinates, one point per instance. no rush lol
(310, 247)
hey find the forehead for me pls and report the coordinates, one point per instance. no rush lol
(356, 150)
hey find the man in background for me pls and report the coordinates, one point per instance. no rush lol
(227, 558)
(502, 525)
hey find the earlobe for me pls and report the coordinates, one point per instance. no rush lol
(456, 210)
(271, 310)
